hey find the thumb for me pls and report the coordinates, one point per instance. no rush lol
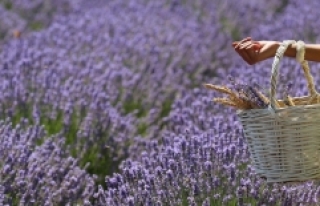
(257, 46)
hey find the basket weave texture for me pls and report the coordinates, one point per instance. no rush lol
(284, 141)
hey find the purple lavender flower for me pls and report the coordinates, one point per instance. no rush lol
(117, 83)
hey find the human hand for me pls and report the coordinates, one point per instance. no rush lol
(255, 51)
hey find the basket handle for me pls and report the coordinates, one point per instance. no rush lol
(275, 71)
(300, 47)
(305, 66)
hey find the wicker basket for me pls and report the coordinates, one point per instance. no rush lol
(284, 142)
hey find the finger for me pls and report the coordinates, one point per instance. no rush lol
(242, 41)
(243, 55)
(253, 53)
(245, 45)
(250, 47)
(241, 51)
(254, 47)
(247, 57)
(248, 52)
(234, 44)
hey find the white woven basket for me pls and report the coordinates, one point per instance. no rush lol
(284, 143)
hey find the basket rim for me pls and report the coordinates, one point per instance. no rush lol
(256, 110)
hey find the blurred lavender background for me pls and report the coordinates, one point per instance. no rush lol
(101, 101)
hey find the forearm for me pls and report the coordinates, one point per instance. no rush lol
(312, 52)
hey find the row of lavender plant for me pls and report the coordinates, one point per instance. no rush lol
(107, 76)
(202, 158)
(33, 174)
(102, 83)
(21, 17)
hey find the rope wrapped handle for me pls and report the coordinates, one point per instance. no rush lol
(300, 47)
(305, 66)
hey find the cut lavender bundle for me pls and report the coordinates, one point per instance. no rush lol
(253, 95)
(244, 96)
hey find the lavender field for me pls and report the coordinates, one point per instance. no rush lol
(102, 101)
